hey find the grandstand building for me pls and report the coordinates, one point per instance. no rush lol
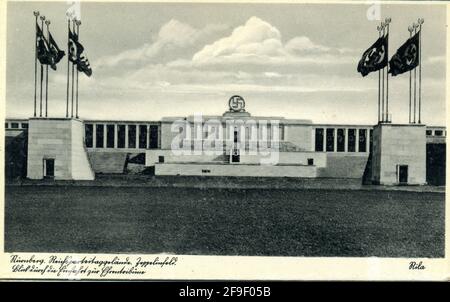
(242, 145)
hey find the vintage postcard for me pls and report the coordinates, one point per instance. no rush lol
(210, 140)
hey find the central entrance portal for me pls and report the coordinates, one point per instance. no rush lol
(235, 156)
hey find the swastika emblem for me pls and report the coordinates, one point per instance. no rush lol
(236, 103)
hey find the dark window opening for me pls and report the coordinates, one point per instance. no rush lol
(436, 132)
(351, 140)
(319, 139)
(340, 140)
(362, 140)
(99, 136)
(330, 140)
(142, 136)
(429, 132)
(161, 159)
(24, 125)
(153, 137)
(110, 136)
(310, 161)
(15, 125)
(88, 138)
(6, 125)
(131, 136)
(120, 136)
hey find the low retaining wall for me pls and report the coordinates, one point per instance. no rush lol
(235, 170)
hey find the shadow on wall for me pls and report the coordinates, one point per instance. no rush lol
(135, 164)
(436, 164)
(16, 156)
(366, 179)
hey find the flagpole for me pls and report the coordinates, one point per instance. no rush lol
(420, 21)
(382, 82)
(415, 31)
(71, 104)
(410, 29)
(379, 28)
(42, 71)
(47, 22)
(387, 21)
(68, 66)
(36, 15)
(78, 22)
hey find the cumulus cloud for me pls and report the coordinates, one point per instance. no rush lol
(255, 38)
(257, 41)
(252, 58)
(172, 35)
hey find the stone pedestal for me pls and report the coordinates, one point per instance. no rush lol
(399, 154)
(60, 141)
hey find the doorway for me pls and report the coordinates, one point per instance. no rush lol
(49, 168)
(403, 174)
(235, 156)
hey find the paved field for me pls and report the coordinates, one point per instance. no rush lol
(224, 221)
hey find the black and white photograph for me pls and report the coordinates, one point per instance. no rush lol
(213, 140)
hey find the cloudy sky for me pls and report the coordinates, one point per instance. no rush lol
(292, 60)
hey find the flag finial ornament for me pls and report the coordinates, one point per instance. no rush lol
(420, 21)
(47, 22)
(42, 18)
(380, 27)
(36, 13)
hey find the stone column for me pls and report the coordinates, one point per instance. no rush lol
(137, 136)
(335, 139)
(346, 140)
(104, 136)
(147, 144)
(357, 140)
(367, 140)
(94, 135)
(116, 136)
(324, 139)
(126, 136)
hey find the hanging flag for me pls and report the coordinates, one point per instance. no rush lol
(75, 48)
(75, 54)
(374, 58)
(47, 53)
(57, 53)
(84, 66)
(43, 52)
(407, 56)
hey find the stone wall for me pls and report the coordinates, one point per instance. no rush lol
(235, 170)
(61, 140)
(344, 165)
(300, 135)
(396, 145)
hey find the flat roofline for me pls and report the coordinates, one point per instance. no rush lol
(169, 119)
(16, 119)
(121, 121)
